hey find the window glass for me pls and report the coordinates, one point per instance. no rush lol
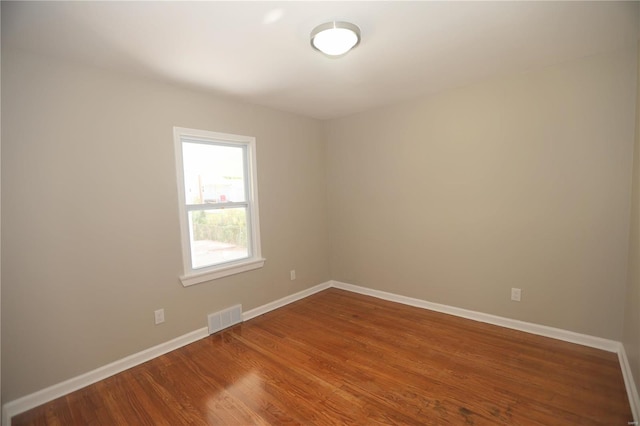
(218, 236)
(213, 173)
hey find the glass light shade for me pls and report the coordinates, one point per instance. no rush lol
(335, 38)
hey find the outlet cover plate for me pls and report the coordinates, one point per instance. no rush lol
(159, 316)
(516, 294)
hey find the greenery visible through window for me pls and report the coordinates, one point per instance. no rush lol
(230, 228)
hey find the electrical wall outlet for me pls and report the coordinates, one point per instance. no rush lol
(292, 274)
(159, 316)
(516, 294)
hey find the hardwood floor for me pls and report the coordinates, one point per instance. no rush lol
(342, 358)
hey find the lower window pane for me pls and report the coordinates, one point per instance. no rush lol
(218, 236)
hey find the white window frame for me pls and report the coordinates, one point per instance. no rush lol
(254, 261)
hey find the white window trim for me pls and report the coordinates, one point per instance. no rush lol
(195, 276)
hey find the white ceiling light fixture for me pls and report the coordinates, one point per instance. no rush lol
(335, 38)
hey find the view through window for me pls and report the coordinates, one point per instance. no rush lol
(215, 193)
(219, 200)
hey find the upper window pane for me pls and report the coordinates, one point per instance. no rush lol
(213, 173)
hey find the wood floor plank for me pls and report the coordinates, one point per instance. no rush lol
(343, 358)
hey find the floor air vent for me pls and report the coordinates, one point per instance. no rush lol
(224, 318)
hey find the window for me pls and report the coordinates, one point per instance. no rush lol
(218, 193)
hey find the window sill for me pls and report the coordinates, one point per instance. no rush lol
(225, 271)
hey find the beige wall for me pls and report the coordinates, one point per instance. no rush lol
(631, 338)
(516, 182)
(90, 242)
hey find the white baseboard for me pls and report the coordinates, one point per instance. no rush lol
(541, 330)
(28, 402)
(260, 310)
(33, 400)
(629, 383)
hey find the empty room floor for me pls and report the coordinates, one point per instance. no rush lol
(342, 358)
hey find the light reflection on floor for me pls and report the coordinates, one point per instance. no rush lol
(251, 382)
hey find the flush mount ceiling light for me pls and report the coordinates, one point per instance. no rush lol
(335, 38)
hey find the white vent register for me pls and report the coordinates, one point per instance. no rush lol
(224, 318)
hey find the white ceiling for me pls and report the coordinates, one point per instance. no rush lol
(259, 52)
